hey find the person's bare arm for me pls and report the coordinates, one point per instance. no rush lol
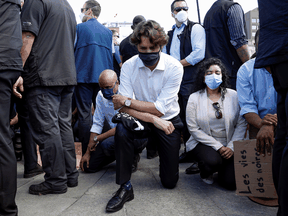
(255, 120)
(243, 53)
(184, 63)
(141, 106)
(28, 40)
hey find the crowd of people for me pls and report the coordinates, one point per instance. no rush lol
(196, 84)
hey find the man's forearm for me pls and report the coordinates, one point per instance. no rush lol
(243, 53)
(28, 40)
(145, 107)
(146, 117)
(106, 135)
(253, 119)
(184, 63)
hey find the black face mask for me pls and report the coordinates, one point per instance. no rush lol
(149, 59)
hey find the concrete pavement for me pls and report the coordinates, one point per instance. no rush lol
(191, 196)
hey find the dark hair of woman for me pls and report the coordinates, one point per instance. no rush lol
(203, 67)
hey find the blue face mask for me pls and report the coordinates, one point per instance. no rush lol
(108, 93)
(213, 81)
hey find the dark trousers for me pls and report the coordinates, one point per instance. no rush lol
(50, 116)
(168, 149)
(28, 144)
(280, 149)
(8, 164)
(105, 154)
(210, 161)
(85, 95)
(102, 156)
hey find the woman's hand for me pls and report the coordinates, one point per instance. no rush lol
(226, 152)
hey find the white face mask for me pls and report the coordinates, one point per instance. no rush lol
(81, 16)
(181, 16)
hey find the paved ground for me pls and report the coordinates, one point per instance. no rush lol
(190, 197)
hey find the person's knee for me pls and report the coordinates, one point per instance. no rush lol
(169, 183)
(121, 131)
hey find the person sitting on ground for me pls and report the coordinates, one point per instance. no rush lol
(101, 151)
(214, 123)
(258, 102)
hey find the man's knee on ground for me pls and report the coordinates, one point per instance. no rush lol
(169, 183)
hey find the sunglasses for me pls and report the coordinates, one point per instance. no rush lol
(177, 9)
(83, 9)
(218, 112)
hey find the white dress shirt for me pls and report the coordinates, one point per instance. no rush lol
(159, 86)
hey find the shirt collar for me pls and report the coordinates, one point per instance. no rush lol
(183, 24)
(160, 65)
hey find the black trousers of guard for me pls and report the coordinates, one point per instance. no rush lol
(29, 147)
(8, 164)
(280, 149)
(168, 149)
(50, 112)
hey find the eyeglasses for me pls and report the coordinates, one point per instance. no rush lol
(177, 9)
(83, 9)
(218, 112)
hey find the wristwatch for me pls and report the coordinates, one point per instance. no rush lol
(127, 102)
(95, 139)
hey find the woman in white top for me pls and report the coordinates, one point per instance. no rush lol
(213, 120)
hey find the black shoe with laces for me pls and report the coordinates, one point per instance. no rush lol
(193, 169)
(118, 200)
(41, 189)
(31, 173)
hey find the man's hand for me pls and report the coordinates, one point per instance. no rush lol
(92, 146)
(14, 120)
(18, 84)
(164, 125)
(226, 152)
(270, 119)
(118, 101)
(265, 139)
(85, 158)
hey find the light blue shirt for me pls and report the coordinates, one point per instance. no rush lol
(256, 93)
(198, 41)
(104, 109)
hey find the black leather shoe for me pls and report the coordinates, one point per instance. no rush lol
(118, 200)
(41, 189)
(193, 169)
(36, 171)
(135, 162)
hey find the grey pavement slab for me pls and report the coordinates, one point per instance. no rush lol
(190, 197)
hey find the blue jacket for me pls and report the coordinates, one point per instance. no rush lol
(93, 51)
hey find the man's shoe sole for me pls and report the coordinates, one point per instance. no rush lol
(47, 192)
(120, 207)
(72, 184)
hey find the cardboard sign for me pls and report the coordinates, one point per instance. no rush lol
(253, 172)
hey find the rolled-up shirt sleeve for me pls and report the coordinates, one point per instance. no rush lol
(245, 91)
(236, 28)
(198, 41)
(169, 92)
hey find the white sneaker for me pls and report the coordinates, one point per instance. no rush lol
(208, 180)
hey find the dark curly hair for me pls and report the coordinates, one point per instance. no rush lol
(200, 85)
(152, 30)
